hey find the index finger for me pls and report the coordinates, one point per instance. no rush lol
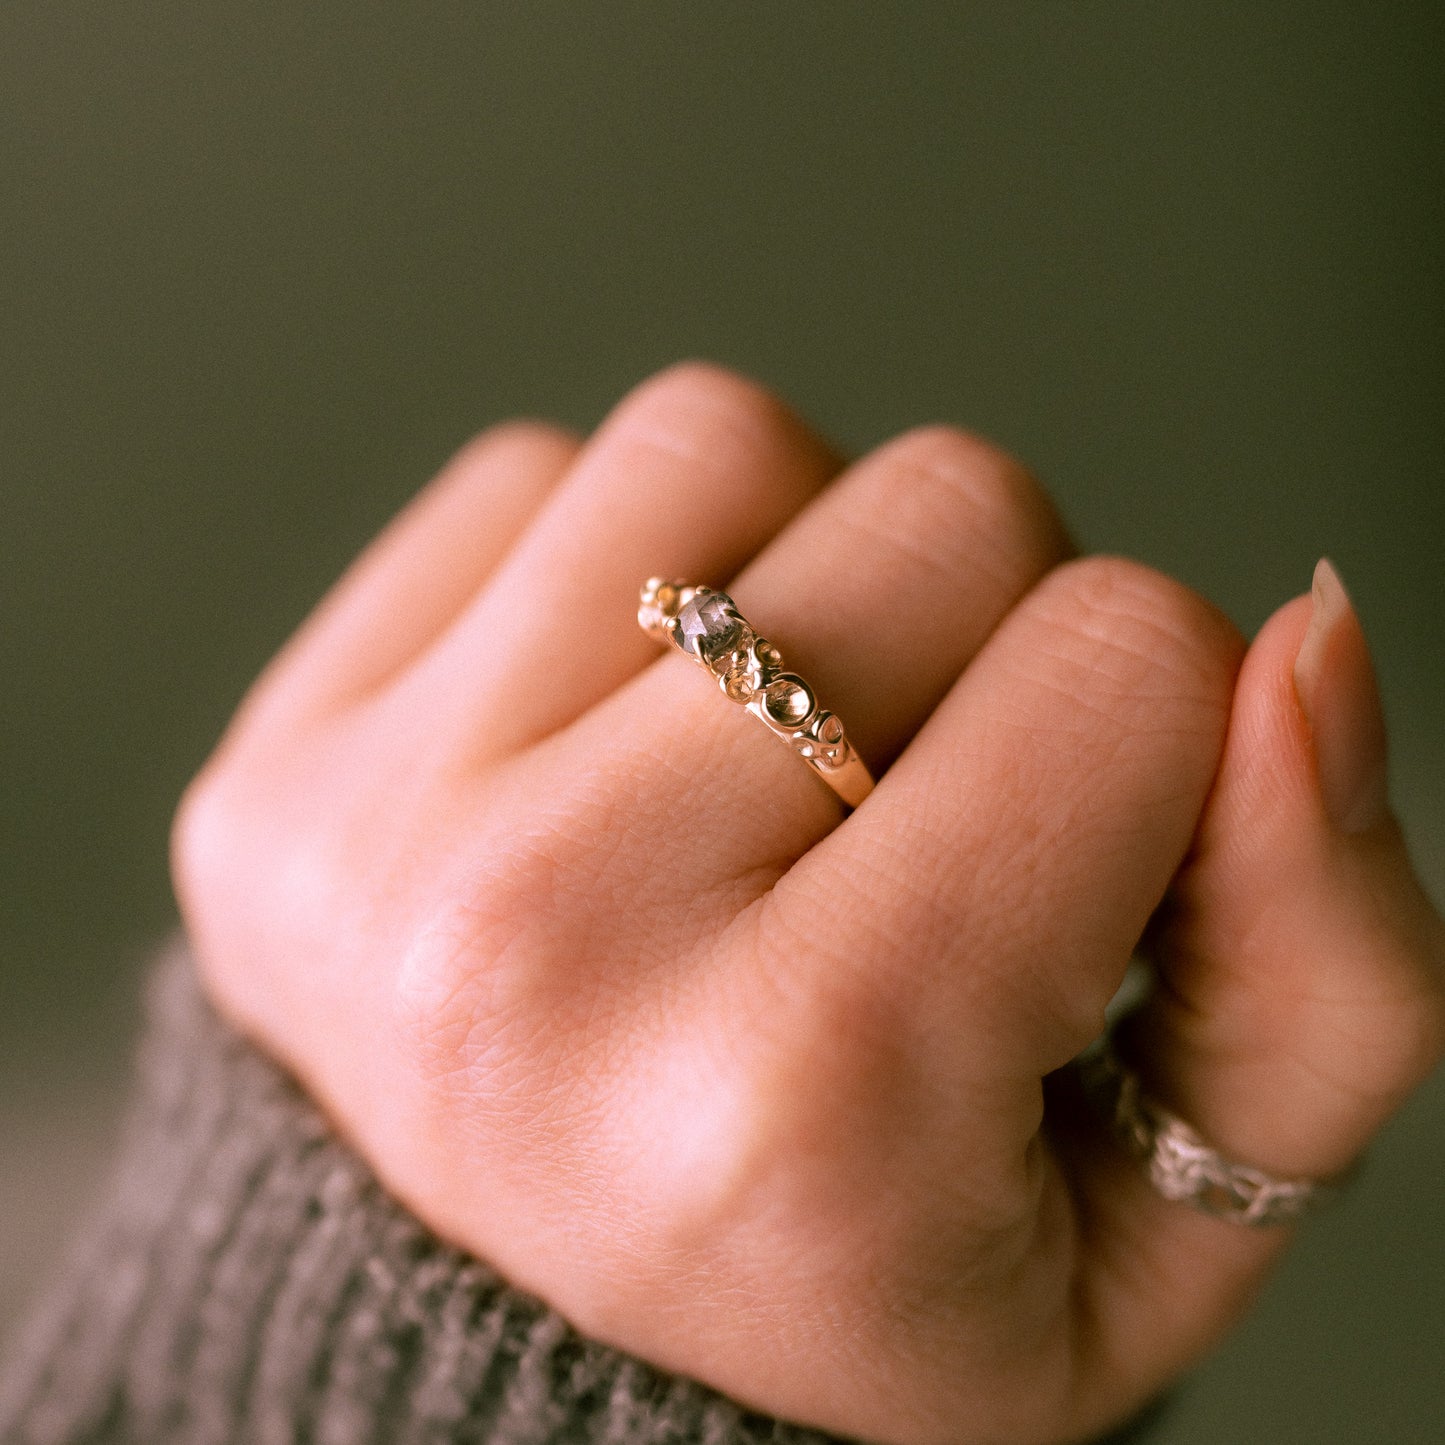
(1006, 865)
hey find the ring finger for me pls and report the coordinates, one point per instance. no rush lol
(878, 593)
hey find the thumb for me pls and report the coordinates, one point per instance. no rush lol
(1301, 989)
(1302, 995)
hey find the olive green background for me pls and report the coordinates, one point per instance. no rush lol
(263, 266)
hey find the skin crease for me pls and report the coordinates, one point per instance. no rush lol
(607, 988)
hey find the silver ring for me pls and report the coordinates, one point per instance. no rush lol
(1180, 1164)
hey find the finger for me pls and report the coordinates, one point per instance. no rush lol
(1300, 956)
(1301, 965)
(689, 476)
(878, 592)
(881, 591)
(422, 569)
(998, 878)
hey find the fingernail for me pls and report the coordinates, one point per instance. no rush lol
(1335, 681)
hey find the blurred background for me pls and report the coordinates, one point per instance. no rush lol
(263, 266)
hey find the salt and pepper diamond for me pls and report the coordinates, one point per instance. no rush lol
(709, 628)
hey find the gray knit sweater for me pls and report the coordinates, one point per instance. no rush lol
(245, 1278)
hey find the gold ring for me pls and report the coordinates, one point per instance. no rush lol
(708, 627)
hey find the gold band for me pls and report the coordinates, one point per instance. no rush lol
(708, 627)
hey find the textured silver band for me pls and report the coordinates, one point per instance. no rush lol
(1180, 1164)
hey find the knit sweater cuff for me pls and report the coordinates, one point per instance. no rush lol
(246, 1278)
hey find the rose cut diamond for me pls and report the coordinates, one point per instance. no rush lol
(707, 627)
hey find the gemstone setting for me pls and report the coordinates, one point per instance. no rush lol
(709, 628)
(788, 700)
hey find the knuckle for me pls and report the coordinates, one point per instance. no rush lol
(224, 899)
(704, 386)
(954, 499)
(1422, 1042)
(259, 874)
(1140, 629)
(204, 834)
(519, 440)
(493, 972)
(1407, 1037)
(1374, 1055)
(709, 416)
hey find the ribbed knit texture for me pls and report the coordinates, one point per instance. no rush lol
(245, 1278)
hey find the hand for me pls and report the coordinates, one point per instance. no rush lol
(600, 980)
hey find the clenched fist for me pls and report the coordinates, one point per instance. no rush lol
(612, 991)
